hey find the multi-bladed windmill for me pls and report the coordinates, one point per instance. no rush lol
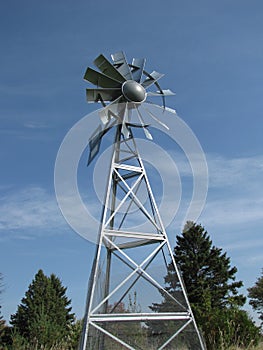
(133, 255)
(124, 86)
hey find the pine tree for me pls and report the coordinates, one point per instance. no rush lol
(255, 293)
(206, 270)
(44, 315)
(1, 290)
(2, 322)
(211, 288)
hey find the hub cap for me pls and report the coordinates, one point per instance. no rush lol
(133, 91)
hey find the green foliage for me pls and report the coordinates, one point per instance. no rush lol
(1, 290)
(132, 333)
(15, 341)
(74, 334)
(228, 327)
(206, 271)
(2, 322)
(211, 288)
(44, 316)
(256, 295)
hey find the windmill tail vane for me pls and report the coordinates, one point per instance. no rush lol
(129, 305)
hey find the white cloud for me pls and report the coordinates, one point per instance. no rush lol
(256, 259)
(29, 89)
(30, 208)
(233, 211)
(35, 125)
(235, 198)
(235, 172)
(33, 211)
(247, 244)
(235, 195)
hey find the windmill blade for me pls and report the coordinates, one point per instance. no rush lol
(95, 141)
(101, 95)
(168, 109)
(161, 93)
(151, 78)
(137, 68)
(138, 125)
(146, 132)
(167, 92)
(108, 69)
(163, 108)
(134, 125)
(121, 64)
(113, 110)
(100, 79)
(156, 119)
(94, 144)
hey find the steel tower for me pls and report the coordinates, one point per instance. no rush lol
(129, 305)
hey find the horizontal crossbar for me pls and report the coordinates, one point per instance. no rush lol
(140, 317)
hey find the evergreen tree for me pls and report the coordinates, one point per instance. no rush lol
(206, 270)
(44, 315)
(1, 290)
(2, 322)
(211, 288)
(255, 293)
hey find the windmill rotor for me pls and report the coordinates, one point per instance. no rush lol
(121, 88)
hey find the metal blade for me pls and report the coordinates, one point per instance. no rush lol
(151, 79)
(113, 110)
(170, 110)
(108, 69)
(95, 141)
(146, 132)
(121, 65)
(156, 119)
(138, 125)
(99, 95)
(94, 144)
(137, 68)
(100, 79)
(163, 108)
(167, 92)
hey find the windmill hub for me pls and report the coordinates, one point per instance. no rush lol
(133, 91)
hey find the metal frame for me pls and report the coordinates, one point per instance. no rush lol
(122, 169)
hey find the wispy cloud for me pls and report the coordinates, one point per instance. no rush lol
(235, 198)
(246, 244)
(33, 211)
(35, 125)
(225, 211)
(30, 89)
(29, 208)
(257, 259)
(235, 190)
(225, 172)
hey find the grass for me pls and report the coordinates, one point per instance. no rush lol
(259, 347)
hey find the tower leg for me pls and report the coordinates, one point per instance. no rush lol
(129, 304)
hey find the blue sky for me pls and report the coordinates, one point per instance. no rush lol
(211, 53)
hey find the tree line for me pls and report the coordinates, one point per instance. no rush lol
(44, 318)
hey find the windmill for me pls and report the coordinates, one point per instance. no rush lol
(133, 254)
